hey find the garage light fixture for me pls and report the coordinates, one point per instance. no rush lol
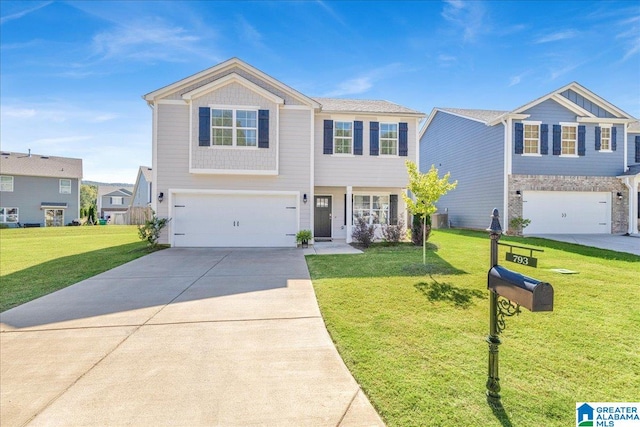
(619, 194)
(518, 193)
(160, 197)
(304, 197)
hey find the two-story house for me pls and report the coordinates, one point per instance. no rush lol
(557, 161)
(631, 177)
(37, 190)
(241, 159)
(113, 202)
(140, 207)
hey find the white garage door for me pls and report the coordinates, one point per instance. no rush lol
(228, 220)
(567, 212)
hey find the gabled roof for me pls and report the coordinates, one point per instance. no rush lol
(227, 65)
(340, 105)
(38, 165)
(484, 116)
(114, 190)
(146, 172)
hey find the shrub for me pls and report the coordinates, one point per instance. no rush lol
(416, 230)
(518, 224)
(303, 236)
(393, 233)
(151, 229)
(363, 232)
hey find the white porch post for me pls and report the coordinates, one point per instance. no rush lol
(349, 218)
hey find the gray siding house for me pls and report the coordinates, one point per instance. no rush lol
(113, 202)
(37, 190)
(140, 207)
(562, 161)
(241, 159)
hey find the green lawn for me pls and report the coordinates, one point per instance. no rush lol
(414, 337)
(38, 261)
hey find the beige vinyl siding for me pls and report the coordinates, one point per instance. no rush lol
(173, 160)
(364, 170)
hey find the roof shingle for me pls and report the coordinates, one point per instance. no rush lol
(363, 106)
(38, 165)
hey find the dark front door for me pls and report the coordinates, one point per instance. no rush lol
(322, 217)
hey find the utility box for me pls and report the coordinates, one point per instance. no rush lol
(525, 291)
(440, 220)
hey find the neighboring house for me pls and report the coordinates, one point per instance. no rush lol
(140, 207)
(559, 161)
(39, 190)
(113, 202)
(241, 159)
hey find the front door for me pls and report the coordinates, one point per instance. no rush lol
(322, 217)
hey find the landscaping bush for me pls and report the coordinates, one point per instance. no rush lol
(363, 232)
(393, 233)
(151, 229)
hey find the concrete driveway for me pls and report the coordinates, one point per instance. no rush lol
(613, 242)
(181, 337)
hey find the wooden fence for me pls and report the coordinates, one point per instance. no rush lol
(137, 215)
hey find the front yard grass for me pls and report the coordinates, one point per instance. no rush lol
(414, 337)
(38, 261)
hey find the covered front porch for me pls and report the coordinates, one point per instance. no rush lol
(631, 179)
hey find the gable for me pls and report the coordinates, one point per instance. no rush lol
(588, 105)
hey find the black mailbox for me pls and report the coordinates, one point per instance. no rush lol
(525, 291)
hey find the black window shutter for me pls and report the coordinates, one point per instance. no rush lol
(204, 134)
(613, 138)
(581, 141)
(263, 128)
(637, 148)
(403, 139)
(598, 139)
(557, 143)
(373, 138)
(357, 138)
(544, 139)
(393, 209)
(328, 137)
(519, 140)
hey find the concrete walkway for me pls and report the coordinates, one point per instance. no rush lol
(334, 247)
(181, 337)
(613, 242)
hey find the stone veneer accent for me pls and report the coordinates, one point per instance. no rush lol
(619, 208)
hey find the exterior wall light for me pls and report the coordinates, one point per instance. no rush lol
(619, 194)
(160, 197)
(304, 197)
(518, 193)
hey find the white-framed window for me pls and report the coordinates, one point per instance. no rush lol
(234, 128)
(53, 217)
(569, 139)
(373, 208)
(343, 138)
(531, 138)
(605, 137)
(6, 183)
(388, 139)
(117, 200)
(9, 215)
(65, 186)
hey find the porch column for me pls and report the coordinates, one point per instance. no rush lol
(349, 218)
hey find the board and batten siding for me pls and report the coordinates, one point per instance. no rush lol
(593, 163)
(581, 101)
(362, 170)
(173, 159)
(29, 192)
(474, 155)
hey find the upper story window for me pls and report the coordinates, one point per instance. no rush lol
(569, 141)
(6, 183)
(605, 138)
(389, 139)
(234, 128)
(65, 186)
(343, 138)
(117, 200)
(531, 138)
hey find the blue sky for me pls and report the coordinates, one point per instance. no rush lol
(73, 73)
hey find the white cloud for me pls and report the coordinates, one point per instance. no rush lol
(446, 60)
(22, 13)
(249, 33)
(630, 37)
(467, 15)
(19, 113)
(61, 140)
(364, 82)
(557, 36)
(515, 80)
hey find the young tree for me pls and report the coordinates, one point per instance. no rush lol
(426, 188)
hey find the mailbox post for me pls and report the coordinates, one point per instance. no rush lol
(513, 288)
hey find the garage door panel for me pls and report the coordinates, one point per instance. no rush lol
(567, 212)
(227, 220)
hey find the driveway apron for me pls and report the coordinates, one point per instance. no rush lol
(181, 337)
